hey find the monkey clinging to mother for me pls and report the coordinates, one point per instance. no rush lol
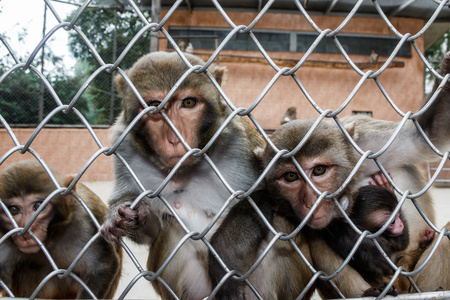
(311, 182)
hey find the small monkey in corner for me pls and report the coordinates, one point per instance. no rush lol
(63, 226)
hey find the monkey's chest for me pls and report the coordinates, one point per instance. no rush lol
(195, 202)
(194, 217)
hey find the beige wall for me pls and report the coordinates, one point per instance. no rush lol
(66, 150)
(328, 87)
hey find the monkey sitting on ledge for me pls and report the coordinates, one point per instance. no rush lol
(63, 226)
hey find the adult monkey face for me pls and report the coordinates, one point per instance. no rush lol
(327, 158)
(190, 109)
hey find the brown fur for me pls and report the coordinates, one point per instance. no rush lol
(436, 274)
(153, 149)
(68, 229)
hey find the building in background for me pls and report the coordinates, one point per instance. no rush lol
(285, 33)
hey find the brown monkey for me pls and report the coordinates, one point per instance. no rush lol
(373, 206)
(152, 150)
(401, 160)
(407, 151)
(327, 158)
(63, 226)
(327, 161)
(289, 115)
(436, 273)
(241, 240)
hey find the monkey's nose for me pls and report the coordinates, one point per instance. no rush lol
(172, 137)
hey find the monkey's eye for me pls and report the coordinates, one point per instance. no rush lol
(290, 176)
(319, 170)
(189, 102)
(36, 205)
(14, 210)
(154, 103)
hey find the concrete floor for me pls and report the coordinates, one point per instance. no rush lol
(143, 289)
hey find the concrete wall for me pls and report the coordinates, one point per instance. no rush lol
(328, 86)
(66, 150)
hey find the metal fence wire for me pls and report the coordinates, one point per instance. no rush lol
(29, 64)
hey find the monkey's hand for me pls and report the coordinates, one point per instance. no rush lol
(427, 238)
(376, 291)
(381, 180)
(122, 220)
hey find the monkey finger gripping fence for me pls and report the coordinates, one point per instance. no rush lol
(201, 238)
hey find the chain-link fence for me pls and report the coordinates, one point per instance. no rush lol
(30, 94)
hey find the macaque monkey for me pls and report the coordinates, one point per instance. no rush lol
(152, 150)
(289, 115)
(373, 206)
(63, 226)
(436, 274)
(327, 158)
(326, 161)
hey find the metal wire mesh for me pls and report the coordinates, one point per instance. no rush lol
(111, 66)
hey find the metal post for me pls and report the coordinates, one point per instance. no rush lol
(41, 85)
(114, 54)
(156, 11)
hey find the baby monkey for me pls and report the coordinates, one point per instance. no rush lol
(373, 207)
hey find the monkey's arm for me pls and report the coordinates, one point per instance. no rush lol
(237, 242)
(409, 146)
(436, 120)
(349, 281)
(6, 267)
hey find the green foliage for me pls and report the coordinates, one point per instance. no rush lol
(20, 91)
(20, 94)
(98, 26)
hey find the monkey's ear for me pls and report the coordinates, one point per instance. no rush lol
(121, 84)
(259, 151)
(67, 181)
(351, 129)
(344, 200)
(220, 74)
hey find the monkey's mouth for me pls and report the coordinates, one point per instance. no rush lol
(26, 244)
(172, 160)
(319, 223)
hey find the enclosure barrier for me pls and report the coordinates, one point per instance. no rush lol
(29, 64)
